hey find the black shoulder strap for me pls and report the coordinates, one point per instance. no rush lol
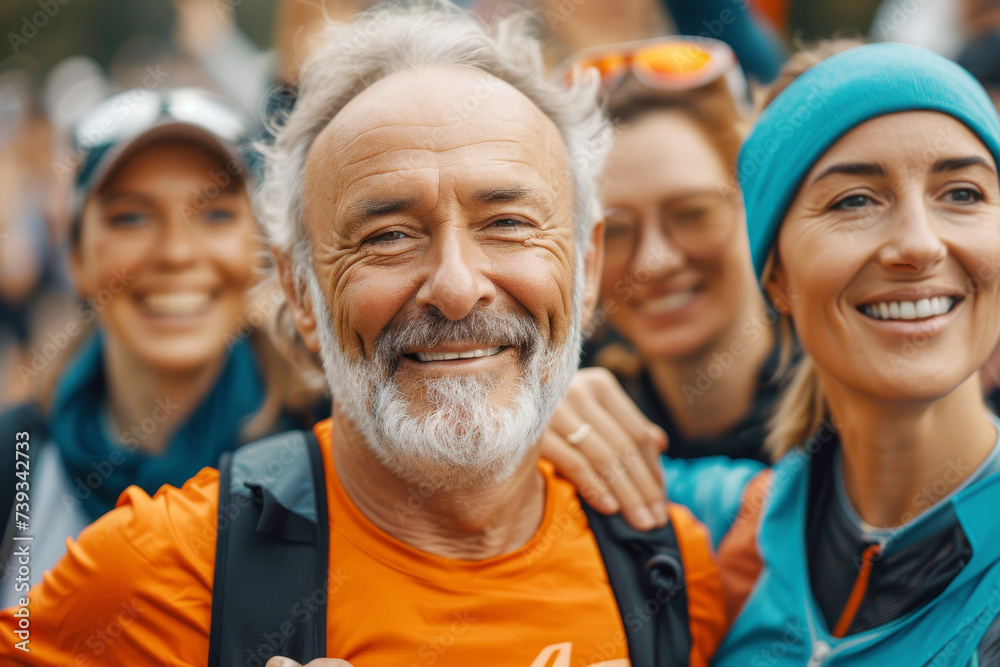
(646, 573)
(269, 595)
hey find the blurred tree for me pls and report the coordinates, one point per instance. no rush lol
(816, 19)
(47, 31)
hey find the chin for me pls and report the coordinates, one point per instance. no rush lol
(913, 386)
(183, 358)
(678, 343)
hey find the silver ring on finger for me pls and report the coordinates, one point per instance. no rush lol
(580, 434)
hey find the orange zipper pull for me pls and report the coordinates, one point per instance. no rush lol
(858, 592)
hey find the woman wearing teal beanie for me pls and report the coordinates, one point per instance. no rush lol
(873, 212)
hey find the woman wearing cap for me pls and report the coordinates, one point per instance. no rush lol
(678, 284)
(873, 210)
(163, 249)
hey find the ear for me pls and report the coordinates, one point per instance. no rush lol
(593, 264)
(299, 303)
(776, 285)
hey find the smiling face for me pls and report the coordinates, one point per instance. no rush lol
(676, 274)
(440, 214)
(164, 263)
(889, 254)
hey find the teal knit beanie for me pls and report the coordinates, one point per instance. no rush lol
(830, 99)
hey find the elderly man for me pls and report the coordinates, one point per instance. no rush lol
(431, 205)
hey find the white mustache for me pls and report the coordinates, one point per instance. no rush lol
(426, 331)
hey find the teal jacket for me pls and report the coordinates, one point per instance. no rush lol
(780, 623)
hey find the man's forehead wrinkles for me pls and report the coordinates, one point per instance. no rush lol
(357, 135)
(358, 129)
(406, 161)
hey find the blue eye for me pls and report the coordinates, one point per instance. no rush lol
(127, 219)
(386, 237)
(965, 196)
(218, 215)
(507, 223)
(852, 203)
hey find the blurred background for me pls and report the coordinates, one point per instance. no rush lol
(59, 57)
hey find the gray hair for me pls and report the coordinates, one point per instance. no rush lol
(394, 37)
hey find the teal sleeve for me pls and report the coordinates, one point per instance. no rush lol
(711, 487)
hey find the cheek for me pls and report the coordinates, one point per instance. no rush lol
(106, 258)
(237, 257)
(818, 269)
(614, 275)
(363, 303)
(540, 279)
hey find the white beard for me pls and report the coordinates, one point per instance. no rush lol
(466, 439)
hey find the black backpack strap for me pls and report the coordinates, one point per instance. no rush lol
(269, 595)
(646, 573)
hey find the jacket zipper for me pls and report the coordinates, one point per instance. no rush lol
(858, 591)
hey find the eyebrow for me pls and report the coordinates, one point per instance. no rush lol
(515, 194)
(854, 169)
(956, 163)
(499, 195)
(378, 206)
(372, 208)
(112, 197)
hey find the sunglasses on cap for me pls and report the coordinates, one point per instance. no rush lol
(103, 133)
(676, 63)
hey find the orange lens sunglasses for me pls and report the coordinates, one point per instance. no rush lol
(672, 63)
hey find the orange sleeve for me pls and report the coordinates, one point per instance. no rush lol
(134, 589)
(706, 603)
(739, 560)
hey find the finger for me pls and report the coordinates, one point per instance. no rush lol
(617, 460)
(278, 661)
(574, 466)
(613, 397)
(646, 474)
(651, 439)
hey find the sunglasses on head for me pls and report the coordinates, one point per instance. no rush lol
(675, 63)
(129, 114)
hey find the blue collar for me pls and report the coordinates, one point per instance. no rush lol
(100, 468)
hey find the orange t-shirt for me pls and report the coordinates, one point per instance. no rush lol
(136, 589)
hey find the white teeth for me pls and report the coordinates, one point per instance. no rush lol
(910, 310)
(176, 303)
(670, 302)
(449, 356)
(924, 308)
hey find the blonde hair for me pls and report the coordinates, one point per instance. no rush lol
(802, 408)
(711, 107)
